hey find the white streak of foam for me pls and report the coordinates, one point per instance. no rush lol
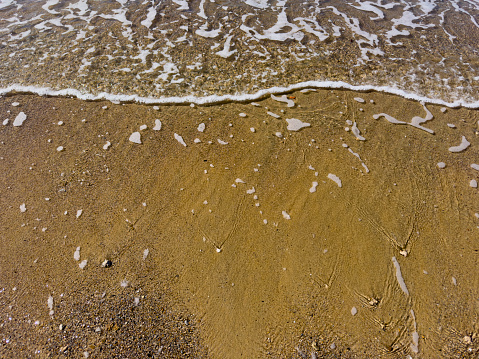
(295, 125)
(145, 253)
(204, 32)
(50, 304)
(150, 16)
(157, 125)
(273, 114)
(69, 92)
(415, 336)
(416, 120)
(76, 255)
(135, 137)
(399, 277)
(336, 179)
(464, 144)
(21, 117)
(226, 52)
(183, 4)
(179, 139)
(284, 98)
(357, 133)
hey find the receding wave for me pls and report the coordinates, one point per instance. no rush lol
(215, 50)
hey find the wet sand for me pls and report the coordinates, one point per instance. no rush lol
(246, 256)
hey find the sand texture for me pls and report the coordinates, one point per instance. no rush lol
(341, 239)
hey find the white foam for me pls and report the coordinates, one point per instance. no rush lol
(221, 142)
(202, 31)
(83, 263)
(464, 144)
(389, 119)
(285, 215)
(50, 304)
(76, 254)
(21, 117)
(150, 16)
(313, 188)
(145, 253)
(273, 114)
(179, 139)
(157, 126)
(226, 52)
(284, 98)
(69, 92)
(336, 179)
(416, 120)
(135, 137)
(399, 276)
(357, 133)
(295, 125)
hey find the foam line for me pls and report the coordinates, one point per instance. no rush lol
(213, 99)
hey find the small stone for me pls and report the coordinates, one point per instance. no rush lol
(106, 263)
(354, 311)
(61, 327)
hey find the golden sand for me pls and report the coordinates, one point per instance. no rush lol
(226, 274)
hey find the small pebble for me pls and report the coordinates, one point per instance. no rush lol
(106, 263)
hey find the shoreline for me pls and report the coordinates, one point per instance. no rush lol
(221, 99)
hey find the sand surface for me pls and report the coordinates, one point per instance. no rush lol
(255, 241)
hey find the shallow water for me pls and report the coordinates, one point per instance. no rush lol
(171, 48)
(318, 223)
